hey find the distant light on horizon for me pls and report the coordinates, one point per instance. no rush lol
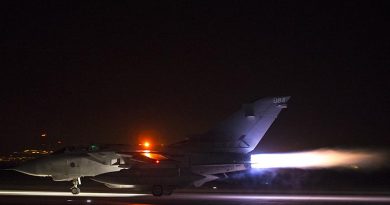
(323, 158)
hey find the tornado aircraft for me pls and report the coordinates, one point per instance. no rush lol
(194, 161)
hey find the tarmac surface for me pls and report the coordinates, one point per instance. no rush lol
(52, 197)
(16, 188)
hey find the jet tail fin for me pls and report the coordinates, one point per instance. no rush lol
(242, 131)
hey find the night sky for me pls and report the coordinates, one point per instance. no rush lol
(114, 71)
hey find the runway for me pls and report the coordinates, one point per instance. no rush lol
(19, 189)
(51, 197)
(68, 194)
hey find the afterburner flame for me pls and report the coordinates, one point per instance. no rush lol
(315, 159)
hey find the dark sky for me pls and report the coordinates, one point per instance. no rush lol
(107, 72)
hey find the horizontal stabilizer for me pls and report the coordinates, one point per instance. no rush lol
(207, 178)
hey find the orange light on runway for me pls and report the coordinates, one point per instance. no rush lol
(147, 139)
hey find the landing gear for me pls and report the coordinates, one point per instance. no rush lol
(159, 190)
(75, 190)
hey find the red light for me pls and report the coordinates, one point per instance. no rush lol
(157, 161)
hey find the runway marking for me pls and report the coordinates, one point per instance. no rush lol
(53, 193)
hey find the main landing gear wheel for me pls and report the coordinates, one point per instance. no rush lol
(74, 189)
(157, 190)
(168, 190)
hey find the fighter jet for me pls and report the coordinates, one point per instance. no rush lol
(194, 161)
(205, 157)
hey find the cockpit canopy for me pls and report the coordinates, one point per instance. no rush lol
(77, 149)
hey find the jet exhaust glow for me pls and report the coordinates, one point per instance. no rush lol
(322, 158)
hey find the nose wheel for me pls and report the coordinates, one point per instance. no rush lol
(74, 189)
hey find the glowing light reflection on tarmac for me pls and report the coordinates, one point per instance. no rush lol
(313, 198)
(330, 198)
(53, 193)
